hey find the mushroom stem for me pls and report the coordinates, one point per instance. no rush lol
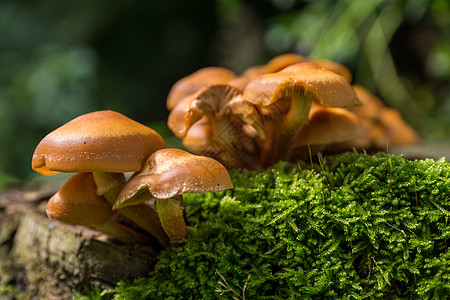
(226, 137)
(110, 184)
(170, 213)
(283, 135)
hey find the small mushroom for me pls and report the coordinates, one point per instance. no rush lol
(166, 175)
(327, 128)
(231, 118)
(382, 124)
(107, 144)
(77, 203)
(197, 80)
(284, 99)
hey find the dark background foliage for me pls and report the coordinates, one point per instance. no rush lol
(60, 59)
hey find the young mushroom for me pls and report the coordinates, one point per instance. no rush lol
(77, 203)
(231, 120)
(196, 81)
(166, 175)
(327, 128)
(107, 144)
(381, 123)
(284, 99)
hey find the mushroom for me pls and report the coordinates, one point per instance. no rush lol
(284, 99)
(274, 65)
(231, 118)
(77, 203)
(166, 175)
(381, 123)
(197, 80)
(107, 144)
(327, 128)
(198, 138)
(333, 67)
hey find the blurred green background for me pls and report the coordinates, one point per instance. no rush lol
(60, 59)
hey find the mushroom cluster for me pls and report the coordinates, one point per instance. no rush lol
(284, 110)
(100, 147)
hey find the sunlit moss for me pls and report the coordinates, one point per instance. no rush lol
(362, 227)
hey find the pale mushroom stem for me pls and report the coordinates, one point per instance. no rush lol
(122, 233)
(170, 213)
(109, 186)
(226, 137)
(283, 135)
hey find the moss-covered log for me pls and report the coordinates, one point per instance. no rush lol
(354, 226)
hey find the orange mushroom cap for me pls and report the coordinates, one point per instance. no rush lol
(328, 125)
(309, 79)
(197, 80)
(170, 172)
(101, 141)
(333, 67)
(77, 203)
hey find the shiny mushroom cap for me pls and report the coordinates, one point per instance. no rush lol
(308, 79)
(197, 80)
(101, 141)
(77, 203)
(334, 67)
(275, 64)
(328, 125)
(171, 172)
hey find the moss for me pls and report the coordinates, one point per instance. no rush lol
(358, 226)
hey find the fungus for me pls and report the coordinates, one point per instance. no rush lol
(195, 81)
(231, 119)
(107, 144)
(77, 203)
(166, 175)
(284, 99)
(381, 123)
(327, 128)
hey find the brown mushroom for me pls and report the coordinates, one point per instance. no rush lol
(107, 144)
(382, 124)
(284, 98)
(77, 203)
(195, 81)
(166, 175)
(327, 128)
(230, 117)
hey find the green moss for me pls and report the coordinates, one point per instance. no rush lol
(361, 226)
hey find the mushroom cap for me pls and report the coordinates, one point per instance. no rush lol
(275, 64)
(101, 141)
(372, 106)
(334, 67)
(397, 131)
(199, 136)
(306, 78)
(170, 172)
(328, 125)
(215, 101)
(197, 80)
(77, 203)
